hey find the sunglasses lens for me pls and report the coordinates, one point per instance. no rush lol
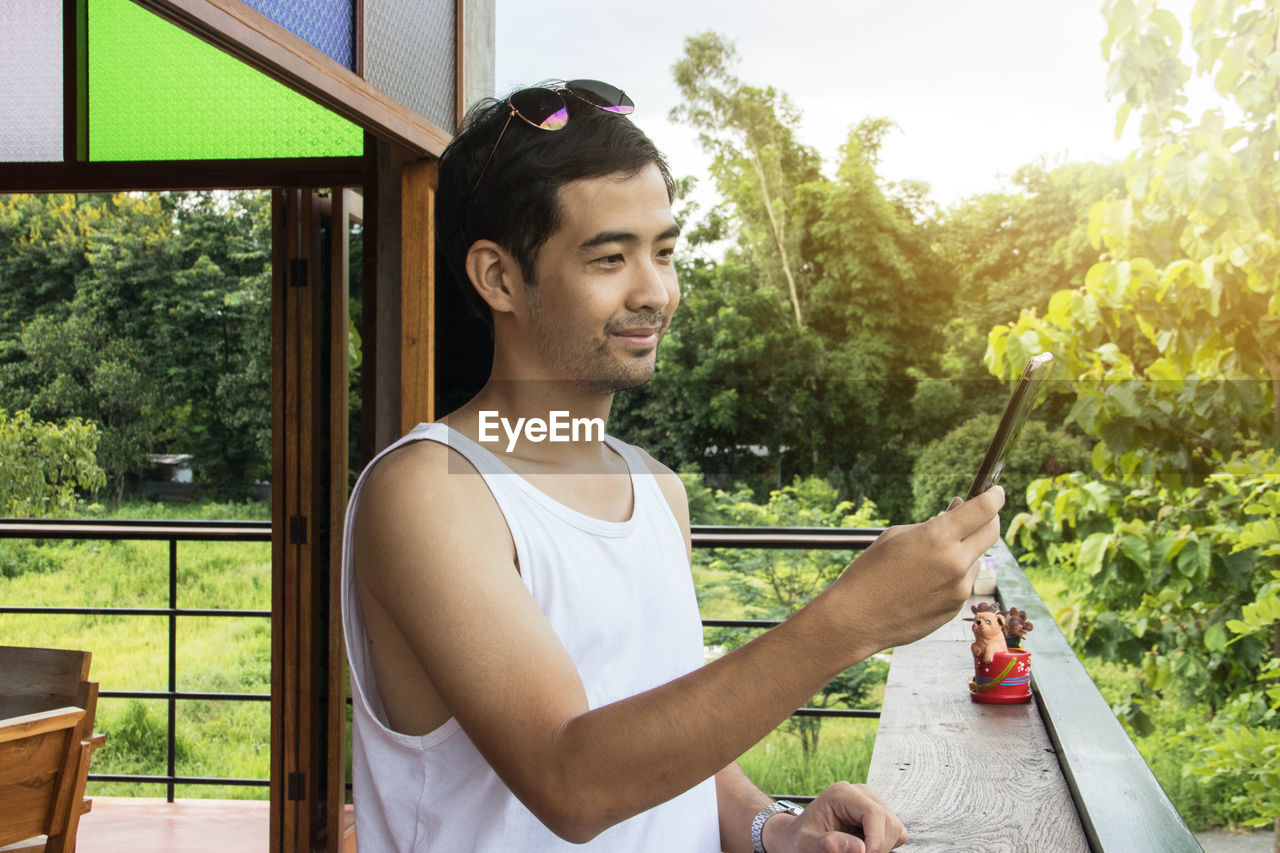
(542, 108)
(602, 95)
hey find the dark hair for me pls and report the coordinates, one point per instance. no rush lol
(517, 202)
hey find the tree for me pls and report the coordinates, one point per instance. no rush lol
(148, 314)
(84, 370)
(880, 292)
(1013, 250)
(946, 467)
(758, 164)
(43, 465)
(213, 331)
(734, 374)
(42, 255)
(797, 354)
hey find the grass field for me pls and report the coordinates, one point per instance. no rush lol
(777, 765)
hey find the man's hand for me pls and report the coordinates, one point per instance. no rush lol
(825, 826)
(915, 577)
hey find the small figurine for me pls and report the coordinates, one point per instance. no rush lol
(1016, 626)
(988, 632)
(1002, 669)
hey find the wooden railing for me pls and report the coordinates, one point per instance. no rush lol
(1056, 774)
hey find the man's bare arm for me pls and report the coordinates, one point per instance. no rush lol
(428, 556)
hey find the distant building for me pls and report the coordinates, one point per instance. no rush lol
(169, 467)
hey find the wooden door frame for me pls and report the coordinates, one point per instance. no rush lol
(309, 492)
(310, 341)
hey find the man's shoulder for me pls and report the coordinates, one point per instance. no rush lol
(421, 461)
(421, 475)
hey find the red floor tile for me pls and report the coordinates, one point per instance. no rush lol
(142, 825)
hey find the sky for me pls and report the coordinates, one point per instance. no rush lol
(977, 88)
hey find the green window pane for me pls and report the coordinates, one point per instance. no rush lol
(159, 93)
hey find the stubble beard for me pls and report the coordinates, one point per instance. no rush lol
(590, 365)
(624, 376)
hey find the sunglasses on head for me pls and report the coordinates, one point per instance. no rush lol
(544, 107)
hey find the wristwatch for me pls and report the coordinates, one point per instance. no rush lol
(757, 825)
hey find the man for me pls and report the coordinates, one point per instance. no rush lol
(524, 639)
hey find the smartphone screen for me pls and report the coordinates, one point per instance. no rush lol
(1015, 414)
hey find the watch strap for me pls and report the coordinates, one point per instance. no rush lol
(757, 825)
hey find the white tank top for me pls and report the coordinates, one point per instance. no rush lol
(620, 597)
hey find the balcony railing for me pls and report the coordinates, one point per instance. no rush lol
(1114, 794)
(172, 532)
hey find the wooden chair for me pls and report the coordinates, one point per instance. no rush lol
(39, 759)
(47, 709)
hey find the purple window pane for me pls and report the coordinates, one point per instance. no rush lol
(326, 25)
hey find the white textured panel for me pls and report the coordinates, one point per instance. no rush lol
(30, 81)
(409, 50)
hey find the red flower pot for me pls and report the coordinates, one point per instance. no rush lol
(1004, 681)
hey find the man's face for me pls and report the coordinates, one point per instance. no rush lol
(605, 283)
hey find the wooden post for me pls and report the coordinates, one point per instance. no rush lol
(380, 386)
(417, 293)
(281, 823)
(308, 493)
(339, 362)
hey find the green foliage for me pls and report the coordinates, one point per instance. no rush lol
(42, 465)
(1248, 743)
(880, 292)
(734, 372)
(18, 557)
(1013, 250)
(137, 741)
(148, 314)
(1172, 346)
(78, 367)
(1247, 747)
(1186, 297)
(778, 765)
(774, 584)
(946, 467)
(1161, 576)
(1171, 743)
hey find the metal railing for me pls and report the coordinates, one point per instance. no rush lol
(172, 532)
(786, 538)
